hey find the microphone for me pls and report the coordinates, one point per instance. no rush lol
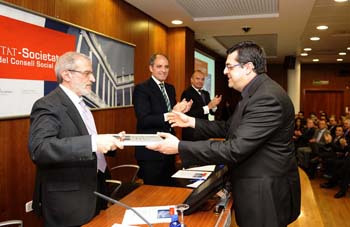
(123, 205)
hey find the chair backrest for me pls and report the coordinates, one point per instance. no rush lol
(125, 173)
(12, 223)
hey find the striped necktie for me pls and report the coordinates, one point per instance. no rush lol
(166, 98)
(91, 127)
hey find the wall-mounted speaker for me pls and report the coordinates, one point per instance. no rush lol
(289, 62)
(344, 72)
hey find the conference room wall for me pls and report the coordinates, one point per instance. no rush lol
(114, 18)
(325, 87)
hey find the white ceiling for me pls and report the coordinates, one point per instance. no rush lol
(282, 27)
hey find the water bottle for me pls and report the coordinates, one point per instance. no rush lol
(175, 221)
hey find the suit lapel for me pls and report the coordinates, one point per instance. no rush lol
(156, 91)
(197, 95)
(239, 110)
(72, 112)
(171, 95)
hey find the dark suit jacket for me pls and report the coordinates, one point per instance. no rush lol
(150, 107)
(195, 111)
(66, 176)
(259, 147)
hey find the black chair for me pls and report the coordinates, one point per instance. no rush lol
(123, 180)
(19, 223)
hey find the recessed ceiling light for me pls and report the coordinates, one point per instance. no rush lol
(322, 27)
(307, 49)
(177, 22)
(315, 38)
(339, 59)
(304, 54)
(348, 48)
(340, 0)
(315, 60)
(342, 53)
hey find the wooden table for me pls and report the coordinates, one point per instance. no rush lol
(147, 195)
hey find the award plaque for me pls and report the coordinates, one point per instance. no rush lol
(140, 139)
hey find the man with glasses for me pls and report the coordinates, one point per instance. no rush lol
(66, 149)
(258, 143)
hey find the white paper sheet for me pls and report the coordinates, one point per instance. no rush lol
(209, 168)
(195, 184)
(188, 174)
(121, 225)
(153, 214)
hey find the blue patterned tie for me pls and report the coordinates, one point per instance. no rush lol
(90, 125)
(162, 89)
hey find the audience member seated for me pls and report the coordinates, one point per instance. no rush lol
(302, 144)
(332, 124)
(333, 149)
(301, 116)
(298, 128)
(341, 176)
(346, 128)
(317, 141)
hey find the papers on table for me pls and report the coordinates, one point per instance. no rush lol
(197, 174)
(209, 168)
(195, 184)
(153, 214)
(140, 139)
(120, 225)
(189, 174)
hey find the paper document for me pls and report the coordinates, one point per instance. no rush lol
(195, 184)
(140, 139)
(209, 168)
(189, 174)
(153, 214)
(120, 225)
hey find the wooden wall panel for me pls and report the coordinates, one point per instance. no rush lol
(177, 51)
(16, 171)
(278, 73)
(179, 48)
(100, 16)
(157, 38)
(338, 76)
(44, 7)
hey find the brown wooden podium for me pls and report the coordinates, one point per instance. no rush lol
(147, 195)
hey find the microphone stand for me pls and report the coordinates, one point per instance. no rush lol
(123, 205)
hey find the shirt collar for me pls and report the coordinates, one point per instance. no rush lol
(72, 96)
(156, 80)
(246, 88)
(198, 90)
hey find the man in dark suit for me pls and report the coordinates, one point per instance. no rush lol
(152, 100)
(258, 145)
(66, 149)
(202, 105)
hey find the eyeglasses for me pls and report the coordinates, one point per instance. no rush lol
(84, 73)
(231, 67)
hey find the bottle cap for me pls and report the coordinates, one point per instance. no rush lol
(171, 211)
(174, 218)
